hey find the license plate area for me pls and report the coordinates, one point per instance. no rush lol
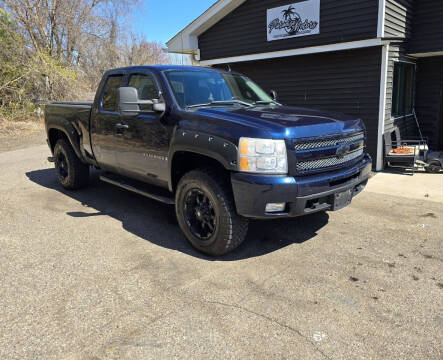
(341, 200)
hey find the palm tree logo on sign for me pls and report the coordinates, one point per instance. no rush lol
(291, 20)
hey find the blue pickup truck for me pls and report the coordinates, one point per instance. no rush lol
(212, 143)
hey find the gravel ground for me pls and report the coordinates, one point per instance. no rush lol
(106, 274)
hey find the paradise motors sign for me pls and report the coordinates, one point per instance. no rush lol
(299, 19)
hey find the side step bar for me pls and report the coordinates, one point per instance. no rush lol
(119, 183)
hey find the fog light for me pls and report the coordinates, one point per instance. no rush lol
(273, 208)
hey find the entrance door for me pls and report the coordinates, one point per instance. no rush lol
(440, 147)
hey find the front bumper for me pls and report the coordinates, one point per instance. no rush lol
(303, 195)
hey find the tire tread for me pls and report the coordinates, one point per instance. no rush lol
(79, 178)
(238, 226)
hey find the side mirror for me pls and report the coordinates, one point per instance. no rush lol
(129, 102)
(159, 106)
(273, 94)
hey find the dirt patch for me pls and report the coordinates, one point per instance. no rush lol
(16, 135)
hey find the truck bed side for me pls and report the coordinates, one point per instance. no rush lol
(72, 120)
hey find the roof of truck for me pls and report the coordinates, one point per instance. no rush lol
(166, 67)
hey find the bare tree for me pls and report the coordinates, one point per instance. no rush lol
(63, 27)
(138, 51)
(65, 46)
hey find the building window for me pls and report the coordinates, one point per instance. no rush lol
(403, 89)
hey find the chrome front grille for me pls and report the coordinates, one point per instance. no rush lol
(328, 162)
(319, 143)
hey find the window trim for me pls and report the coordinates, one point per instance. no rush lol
(402, 116)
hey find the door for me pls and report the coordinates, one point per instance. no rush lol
(105, 127)
(147, 137)
(440, 147)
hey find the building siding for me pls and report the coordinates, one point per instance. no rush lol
(398, 18)
(428, 99)
(427, 27)
(346, 82)
(244, 32)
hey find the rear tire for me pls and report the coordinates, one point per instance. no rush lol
(71, 172)
(206, 213)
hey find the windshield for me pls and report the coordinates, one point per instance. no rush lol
(193, 88)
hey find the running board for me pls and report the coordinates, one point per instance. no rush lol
(121, 184)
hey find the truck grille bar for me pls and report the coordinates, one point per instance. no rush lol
(328, 162)
(323, 143)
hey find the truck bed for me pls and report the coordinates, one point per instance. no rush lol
(72, 103)
(71, 111)
(71, 114)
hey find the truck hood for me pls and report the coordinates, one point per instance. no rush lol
(286, 121)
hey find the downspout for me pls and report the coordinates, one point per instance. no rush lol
(381, 19)
(382, 106)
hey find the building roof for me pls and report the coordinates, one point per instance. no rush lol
(186, 41)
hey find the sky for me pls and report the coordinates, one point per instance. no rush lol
(160, 20)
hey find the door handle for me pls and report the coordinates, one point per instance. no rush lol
(122, 126)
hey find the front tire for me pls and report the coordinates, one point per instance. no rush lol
(71, 172)
(206, 213)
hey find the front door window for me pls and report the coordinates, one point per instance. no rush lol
(146, 87)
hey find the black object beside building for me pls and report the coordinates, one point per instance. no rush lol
(374, 59)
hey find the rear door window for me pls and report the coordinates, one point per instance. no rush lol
(110, 93)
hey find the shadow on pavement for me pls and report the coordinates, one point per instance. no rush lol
(156, 222)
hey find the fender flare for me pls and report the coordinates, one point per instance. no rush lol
(67, 128)
(214, 147)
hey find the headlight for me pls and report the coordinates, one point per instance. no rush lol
(262, 156)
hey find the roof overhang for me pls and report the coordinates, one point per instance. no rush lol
(428, 54)
(295, 52)
(186, 41)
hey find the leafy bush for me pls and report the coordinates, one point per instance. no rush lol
(29, 77)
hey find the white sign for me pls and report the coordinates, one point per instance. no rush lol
(299, 19)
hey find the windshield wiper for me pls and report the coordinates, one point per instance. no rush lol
(265, 102)
(223, 102)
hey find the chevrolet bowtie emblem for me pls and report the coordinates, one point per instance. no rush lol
(342, 150)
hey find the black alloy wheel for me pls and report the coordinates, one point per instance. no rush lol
(206, 212)
(200, 214)
(61, 166)
(71, 172)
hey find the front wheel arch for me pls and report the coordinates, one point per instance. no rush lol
(183, 162)
(216, 150)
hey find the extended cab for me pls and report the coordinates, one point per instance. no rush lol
(214, 144)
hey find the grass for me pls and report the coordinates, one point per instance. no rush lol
(20, 123)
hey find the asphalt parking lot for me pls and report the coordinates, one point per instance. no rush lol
(106, 274)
